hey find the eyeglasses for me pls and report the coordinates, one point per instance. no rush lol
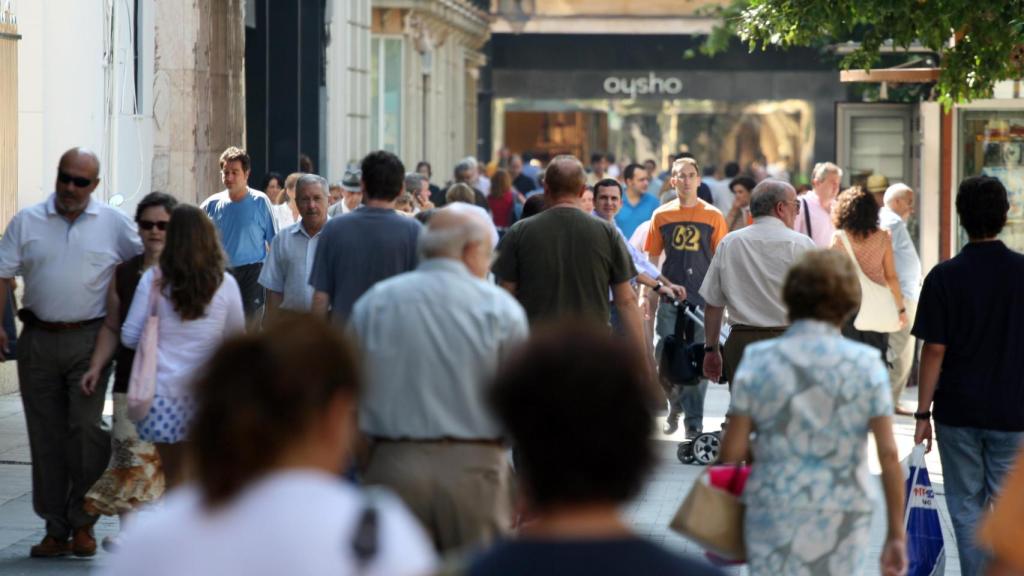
(149, 225)
(794, 203)
(66, 178)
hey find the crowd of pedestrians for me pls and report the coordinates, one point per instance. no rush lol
(489, 352)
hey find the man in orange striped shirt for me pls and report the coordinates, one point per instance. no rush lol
(688, 231)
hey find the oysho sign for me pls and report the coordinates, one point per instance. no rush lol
(643, 85)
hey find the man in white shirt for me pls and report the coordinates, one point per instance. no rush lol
(747, 274)
(285, 274)
(66, 248)
(899, 205)
(815, 218)
(432, 340)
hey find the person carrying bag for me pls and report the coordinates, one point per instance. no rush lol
(142, 385)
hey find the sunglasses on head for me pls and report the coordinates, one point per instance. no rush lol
(149, 225)
(66, 178)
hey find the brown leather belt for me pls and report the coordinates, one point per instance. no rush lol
(444, 440)
(29, 318)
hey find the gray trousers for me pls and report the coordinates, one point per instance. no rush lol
(901, 353)
(70, 446)
(686, 399)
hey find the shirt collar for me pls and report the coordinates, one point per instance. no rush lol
(441, 264)
(769, 221)
(93, 207)
(809, 327)
(298, 228)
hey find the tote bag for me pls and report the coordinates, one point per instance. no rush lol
(878, 311)
(142, 383)
(712, 515)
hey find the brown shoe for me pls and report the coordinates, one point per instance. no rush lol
(82, 543)
(50, 547)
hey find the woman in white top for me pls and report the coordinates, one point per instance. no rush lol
(281, 198)
(274, 423)
(198, 305)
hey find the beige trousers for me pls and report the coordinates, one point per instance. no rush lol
(901, 353)
(460, 492)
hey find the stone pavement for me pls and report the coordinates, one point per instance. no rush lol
(649, 514)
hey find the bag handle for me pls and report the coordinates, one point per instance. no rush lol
(807, 217)
(154, 291)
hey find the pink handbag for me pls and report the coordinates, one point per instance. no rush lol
(142, 384)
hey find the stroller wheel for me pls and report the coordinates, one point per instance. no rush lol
(706, 448)
(685, 452)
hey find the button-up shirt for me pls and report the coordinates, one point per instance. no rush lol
(288, 264)
(431, 341)
(749, 269)
(821, 220)
(908, 264)
(67, 265)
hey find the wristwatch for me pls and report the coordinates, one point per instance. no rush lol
(926, 415)
(709, 349)
(657, 287)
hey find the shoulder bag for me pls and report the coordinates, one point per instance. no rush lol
(142, 384)
(712, 514)
(878, 311)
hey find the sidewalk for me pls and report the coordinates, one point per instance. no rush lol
(649, 514)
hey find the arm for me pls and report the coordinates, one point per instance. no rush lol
(131, 331)
(106, 342)
(629, 314)
(274, 299)
(893, 280)
(931, 365)
(234, 322)
(894, 553)
(736, 444)
(320, 303)
(712, 330)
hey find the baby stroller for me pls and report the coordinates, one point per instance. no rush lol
(682, 364)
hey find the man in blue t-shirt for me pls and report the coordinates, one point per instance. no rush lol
(971, 365)
(637, 205)
(367, 245)
(246, 224)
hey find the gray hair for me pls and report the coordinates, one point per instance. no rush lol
(413, 181)
(449, 242)
(823, 169)
(895, 192)
(463, 167)
(309, 180)
(767, 195)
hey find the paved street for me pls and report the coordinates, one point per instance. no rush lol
(650, 513)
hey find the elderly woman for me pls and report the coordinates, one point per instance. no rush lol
(855, 216)
(811, 396)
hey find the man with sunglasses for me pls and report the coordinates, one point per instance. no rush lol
(65, 248)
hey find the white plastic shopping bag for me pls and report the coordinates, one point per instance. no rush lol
(925, 548)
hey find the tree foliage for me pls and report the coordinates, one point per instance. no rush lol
(979, 42)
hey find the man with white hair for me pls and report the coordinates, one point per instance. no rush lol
(746, 276)
(899, 205)
(816, 206)
(432, 340)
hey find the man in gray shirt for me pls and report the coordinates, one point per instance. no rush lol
(432, 340)
(365, 246)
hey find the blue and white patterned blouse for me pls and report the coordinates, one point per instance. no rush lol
(810, 394)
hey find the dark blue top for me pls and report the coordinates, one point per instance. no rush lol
(596, 557)
(358, 250)
(973, 304)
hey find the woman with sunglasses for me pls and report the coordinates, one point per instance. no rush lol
(134, 476)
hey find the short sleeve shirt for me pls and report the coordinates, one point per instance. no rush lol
(811, 395)
(973, 304)
(246, 227)
(359, 249)
(563, 262)
(287, 267)
(689, 237)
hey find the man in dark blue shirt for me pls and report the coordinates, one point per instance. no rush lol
(972, 364)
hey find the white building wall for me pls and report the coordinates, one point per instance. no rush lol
(348, 85)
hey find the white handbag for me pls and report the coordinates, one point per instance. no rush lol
(878, 312)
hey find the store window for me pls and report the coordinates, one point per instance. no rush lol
(992, 144)
(386, 93)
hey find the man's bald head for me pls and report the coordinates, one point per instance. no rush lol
(565, 177)
(459, 232)
(80, 157)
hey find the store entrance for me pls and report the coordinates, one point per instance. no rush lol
(547, 134)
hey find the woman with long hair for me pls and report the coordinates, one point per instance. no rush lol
(502, 200)
(198, 304)
(273, 428)
(855, 216)
(133, 477)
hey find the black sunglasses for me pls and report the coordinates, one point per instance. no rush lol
(66, 178)
(149, 224)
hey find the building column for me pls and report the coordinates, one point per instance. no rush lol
(348, 86)
(8, 115)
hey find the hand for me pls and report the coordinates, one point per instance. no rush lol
(923, 433)
(903, 320)
(3, 345)
(894, 557)
(89, 381)
(713, 365)
(678, 291)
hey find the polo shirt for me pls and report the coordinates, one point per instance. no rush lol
(288, 264)
(904, 254)
(67, 265)
(246, 226)
(631, 216)
(973, 304)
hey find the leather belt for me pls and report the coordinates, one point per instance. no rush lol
(29, 318)
(443, 440)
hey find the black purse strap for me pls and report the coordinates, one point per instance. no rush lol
(807, 216)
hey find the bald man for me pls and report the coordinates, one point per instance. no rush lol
(432, 339)
(66, 249)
